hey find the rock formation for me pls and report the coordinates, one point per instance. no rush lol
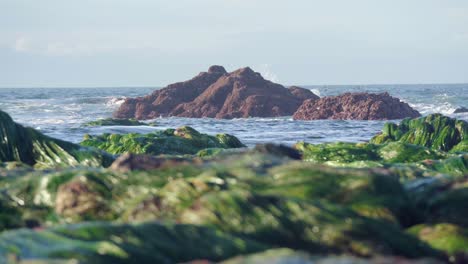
(360, 106)
(218, 94)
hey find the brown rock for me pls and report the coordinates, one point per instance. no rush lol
(162, 102)
(302, 93)
(359, 106)
(217, 94)
(130, 162)
(78, 199)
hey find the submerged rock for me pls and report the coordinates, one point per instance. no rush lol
(26, 145)
(117, 122)
(180, 141)
(360, 106)
(433, 131)
(218, 94)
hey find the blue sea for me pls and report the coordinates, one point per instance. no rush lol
(61, 112)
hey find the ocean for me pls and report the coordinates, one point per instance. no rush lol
(61, 112)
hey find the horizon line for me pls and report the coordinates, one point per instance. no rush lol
(148, 86)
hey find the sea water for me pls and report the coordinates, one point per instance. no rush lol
(61, 112)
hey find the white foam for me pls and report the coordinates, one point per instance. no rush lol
(115, 101)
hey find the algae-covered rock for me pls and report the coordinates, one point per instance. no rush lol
(317, 227)
(443, 200)
(132, 162)
(124, 243)
(22, 144)
(367, 153)
(288, 256)
(117, 122)
(433, 131)
(449, 238)
(183, 140)
(367, 192)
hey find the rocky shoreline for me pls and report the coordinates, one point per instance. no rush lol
(244, 93)
(184, 196)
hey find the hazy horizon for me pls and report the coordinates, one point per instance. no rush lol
(117, 43)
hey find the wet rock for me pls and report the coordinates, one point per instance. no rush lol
(317, 227)
(359, 106)
(303, 93)
(449, 238)
(80, 199)
(130, 162)
(26, 145)
(117, 122)
(443, 200)
(218, 94)
(100, 242)
(289, 256)
(180, 141)
(433, 131)
(278, 150)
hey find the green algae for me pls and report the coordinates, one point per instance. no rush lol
(184, 140)
(434, 131)
(449, 238)
(28, 146)
(121, 243)
(442, 200)
(117, 122)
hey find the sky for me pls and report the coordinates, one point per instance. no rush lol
(108, 43)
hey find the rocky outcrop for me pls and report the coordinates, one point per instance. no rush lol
(218, 94)
(359, 106)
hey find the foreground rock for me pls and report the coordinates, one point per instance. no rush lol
(359, 106)
(124, 243)
(218, 94)
(26, 145)
(180, 141)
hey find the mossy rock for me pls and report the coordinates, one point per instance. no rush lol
(117, 122)
(449, 238)
(26, 145)
(184, 140)
(442, 200)
(289, 256)
(434, 131)
(318, 227)
(114, 122)
(121, 243)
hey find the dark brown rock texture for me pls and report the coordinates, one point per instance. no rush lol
(359, 106)
(218, 94)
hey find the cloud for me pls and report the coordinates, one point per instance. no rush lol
(22, 44)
